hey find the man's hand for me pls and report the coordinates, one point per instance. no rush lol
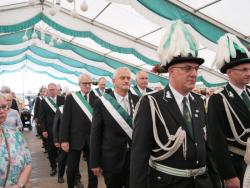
(57, 144)
(96, 171)
(65, 146)
(232, 183)
(45, 134)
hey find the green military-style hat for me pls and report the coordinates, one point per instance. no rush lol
(231, 52)
(177, 46)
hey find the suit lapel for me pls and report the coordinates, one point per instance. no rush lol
(236, 102)
(195, 111)
(173, 109)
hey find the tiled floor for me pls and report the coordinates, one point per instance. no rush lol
(40, 177)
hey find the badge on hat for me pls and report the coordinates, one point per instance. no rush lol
(177, 46)
(231, 52)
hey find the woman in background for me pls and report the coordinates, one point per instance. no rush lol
(15, 158)
(13, 119)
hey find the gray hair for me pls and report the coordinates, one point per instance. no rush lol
(83, 76)
(5, 89)
(139, 72)
(115, 74)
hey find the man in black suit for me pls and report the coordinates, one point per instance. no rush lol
(42, 93)
(111, 132)
(101, 87)
(169, 145)
(229, 112)
(141, 86)
(75, 130)
(48, 108)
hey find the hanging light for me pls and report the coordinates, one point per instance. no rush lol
(53, 10)
(70, 1)
(34, 35)
(25, 37)
(84, 6)
(51, 43)
(59, 41)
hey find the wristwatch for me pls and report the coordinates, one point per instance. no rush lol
(21, 185)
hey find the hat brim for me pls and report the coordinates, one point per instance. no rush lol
(178, 60)
(233, 64)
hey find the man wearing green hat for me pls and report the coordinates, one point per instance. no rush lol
(229, 111)
(169, 143)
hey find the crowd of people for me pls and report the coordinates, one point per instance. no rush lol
(140, 137)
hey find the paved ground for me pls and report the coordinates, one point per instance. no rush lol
(40, 177)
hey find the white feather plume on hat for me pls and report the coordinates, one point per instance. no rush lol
(177, 41)
(227, 50)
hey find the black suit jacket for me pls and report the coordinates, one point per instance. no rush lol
(108, 141)
(143, 142)
(37, 107)
(56, 125)
(47, 115)
(220, 129)
(76, 125)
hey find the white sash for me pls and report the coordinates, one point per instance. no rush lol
(50, 104)
(119, 119)
(82, 106)
(96, 93)
(133, 91)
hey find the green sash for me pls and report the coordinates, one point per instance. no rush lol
(51, 103)
(118, 113)
(84, 105)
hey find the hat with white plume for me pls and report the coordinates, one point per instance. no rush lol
(178, 46)
(231, 52)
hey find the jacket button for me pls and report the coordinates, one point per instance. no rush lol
(197, 162)
(195, 144)
(159, 177)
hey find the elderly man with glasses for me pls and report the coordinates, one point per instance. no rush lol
(75, 130)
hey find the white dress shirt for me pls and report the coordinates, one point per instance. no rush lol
(179, 97)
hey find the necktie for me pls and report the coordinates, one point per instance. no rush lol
(246, 99)
(86, 97)
(125, 105)
(187, 116)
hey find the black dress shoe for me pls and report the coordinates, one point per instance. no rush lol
(53, 172)
(78, 184)
(60, 180)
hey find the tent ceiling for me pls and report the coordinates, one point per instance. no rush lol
(128, 27)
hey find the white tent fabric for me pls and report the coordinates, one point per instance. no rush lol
(126, 24)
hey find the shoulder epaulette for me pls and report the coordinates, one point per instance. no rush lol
(151, 92)
(218, 90)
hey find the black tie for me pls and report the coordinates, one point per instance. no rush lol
(86, 97)
(246, 99)
(187, 116)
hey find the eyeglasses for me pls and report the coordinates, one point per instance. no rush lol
(188, 68)
(4, 107)
(243, 70)
(85, 83)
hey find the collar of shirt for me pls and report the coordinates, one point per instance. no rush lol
(87, 95)
(237, 90)
(179, 97)
(141, 91)
(119, 98)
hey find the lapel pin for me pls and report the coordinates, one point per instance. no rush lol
(191, 96)
(168, 95)
(230, 94)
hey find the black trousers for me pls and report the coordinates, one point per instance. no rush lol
(62, 159)
(73, 166)
(52, 152)
(118, 179)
